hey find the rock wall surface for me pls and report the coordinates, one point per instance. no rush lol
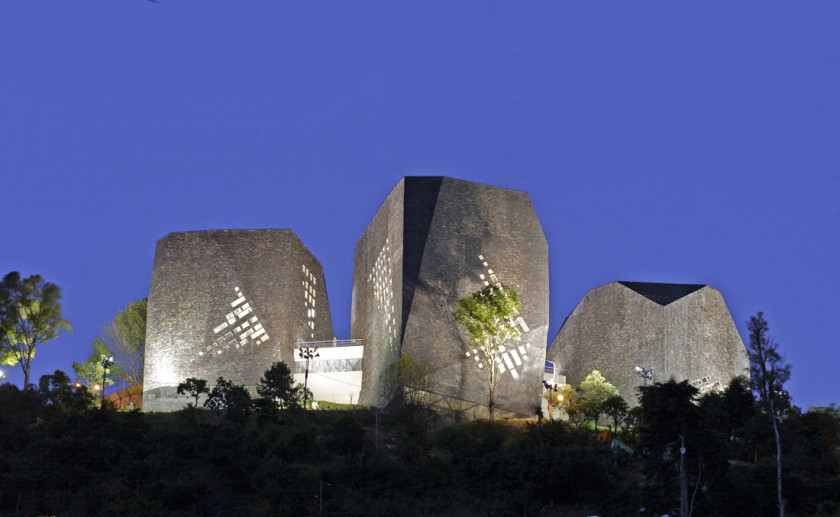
(432, 242)
(681, 331)
(229, 303)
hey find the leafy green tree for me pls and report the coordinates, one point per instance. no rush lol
(125, 337)
(93, 371)
(593, 392)
(194, 388)
(405, 378)
(768, 373)
(567, 397)
(30, 316)
(278, 386)
(488, 318)
(231, 398)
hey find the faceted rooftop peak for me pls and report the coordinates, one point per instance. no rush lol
(663, 294)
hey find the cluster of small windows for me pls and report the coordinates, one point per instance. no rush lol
(707, 384)
(242, 327)
(511, 358)
(490, 277)
(309, 293)
(383, 289)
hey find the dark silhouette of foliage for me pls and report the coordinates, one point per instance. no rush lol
(63, 461)
(616, 408)
(233, 400)
(194, 388)
(278, 386)
(768, 373)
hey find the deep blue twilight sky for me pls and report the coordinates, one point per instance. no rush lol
(691, 142)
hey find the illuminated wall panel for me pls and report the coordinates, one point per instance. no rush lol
(433, 241)
(681, 331)
(229, 303)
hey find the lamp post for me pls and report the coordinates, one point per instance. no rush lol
(308, 353)
(644, 373)
(106, 362)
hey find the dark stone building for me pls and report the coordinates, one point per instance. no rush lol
(681, 331)
(228, 303)
(432, 242)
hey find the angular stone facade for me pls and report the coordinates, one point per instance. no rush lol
(681, 331)
(229, 303)
(434, 241)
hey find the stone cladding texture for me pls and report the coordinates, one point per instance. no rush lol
(229, 303)
(432, 242)
(615, 328)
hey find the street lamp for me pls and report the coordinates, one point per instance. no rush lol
(106, 362)
(308, 353)
(644, 373)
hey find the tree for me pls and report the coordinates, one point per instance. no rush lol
(278, 385)
(768, 373)
(125, 337)
(593, 392)
(93, 371)
(567, 400)
(616, 408)
(487, 316)
(405, 378)
(58, 396)
(669, 418)
(30, 316)
(231, 398)
(194, 388)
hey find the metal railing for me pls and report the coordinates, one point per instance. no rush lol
(333, 343)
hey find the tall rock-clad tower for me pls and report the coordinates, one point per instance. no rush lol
(228, 303)
(434, 241)
(681, 331)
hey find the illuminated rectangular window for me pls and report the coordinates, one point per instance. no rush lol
(508, 362)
